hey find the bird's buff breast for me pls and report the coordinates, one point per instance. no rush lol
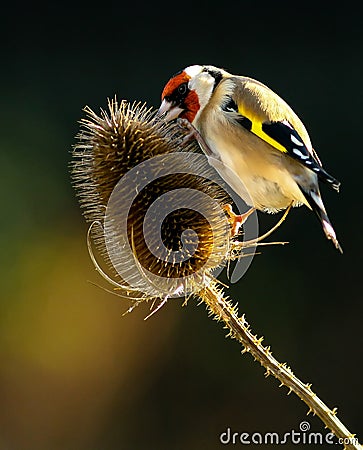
(257, 172)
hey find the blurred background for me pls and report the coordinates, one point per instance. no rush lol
(74, 373)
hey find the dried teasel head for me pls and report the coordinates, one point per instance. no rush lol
(154, 204)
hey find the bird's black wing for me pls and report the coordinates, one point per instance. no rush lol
(283, 136)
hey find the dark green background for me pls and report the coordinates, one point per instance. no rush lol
(74, 374)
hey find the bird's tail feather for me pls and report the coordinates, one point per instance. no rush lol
(316, 204)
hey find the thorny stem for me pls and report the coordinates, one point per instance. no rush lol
(239, 329)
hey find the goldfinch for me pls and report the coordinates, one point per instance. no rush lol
(252, 137)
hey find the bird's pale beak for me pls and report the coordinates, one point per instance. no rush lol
(168, 111)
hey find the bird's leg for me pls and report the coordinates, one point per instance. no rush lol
(193, 133)
(237, 220)
(256, 241)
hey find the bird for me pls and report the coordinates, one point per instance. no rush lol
(252, 137)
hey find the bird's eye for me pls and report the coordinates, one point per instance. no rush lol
(182, 89)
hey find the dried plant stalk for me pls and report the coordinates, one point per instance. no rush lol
(222, 309)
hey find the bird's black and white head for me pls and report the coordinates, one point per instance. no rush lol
(188, 92)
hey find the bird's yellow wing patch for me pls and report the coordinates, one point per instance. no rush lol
(256, 128)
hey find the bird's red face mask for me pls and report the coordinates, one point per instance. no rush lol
(178, 100)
